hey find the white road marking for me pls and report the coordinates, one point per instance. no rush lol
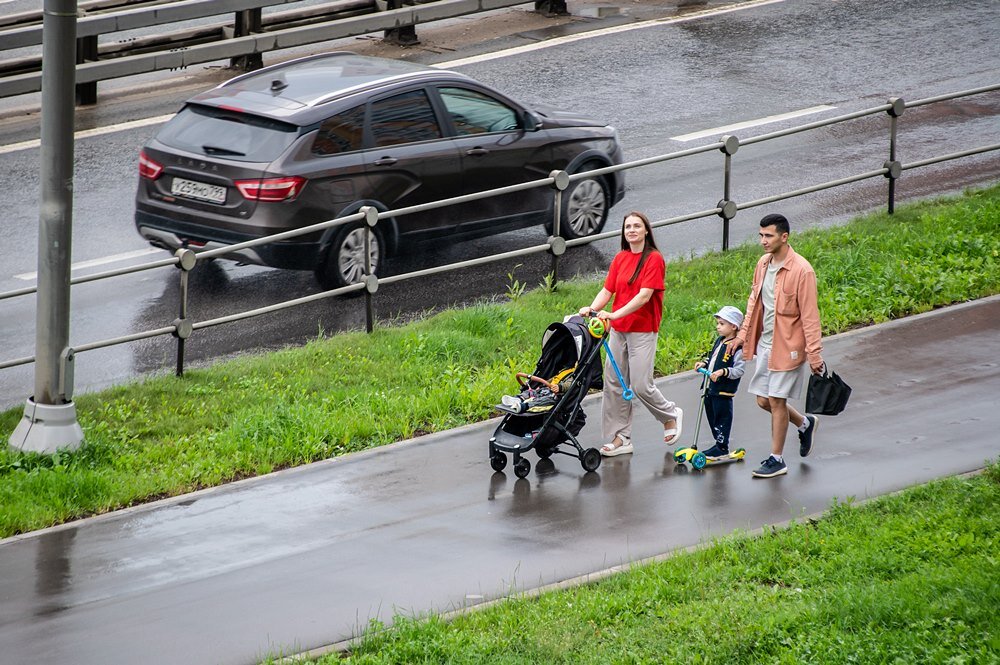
(87, 133)
(725, 129)
(558, 41)
(31, 276)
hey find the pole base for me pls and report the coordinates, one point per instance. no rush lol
(47, 428)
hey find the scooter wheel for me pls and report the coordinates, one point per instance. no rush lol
(699, 461)
(679, 457)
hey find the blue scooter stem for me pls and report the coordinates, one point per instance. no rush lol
(627, 393)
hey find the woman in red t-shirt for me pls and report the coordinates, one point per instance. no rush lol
(635, 280)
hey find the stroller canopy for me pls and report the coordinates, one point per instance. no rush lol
(564, 345)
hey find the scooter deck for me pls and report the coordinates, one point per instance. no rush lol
(735, 456)
(698, 460)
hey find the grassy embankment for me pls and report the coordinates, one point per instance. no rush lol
(168, 436)
(910, 578)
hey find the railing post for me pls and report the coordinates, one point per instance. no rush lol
(371, 280)
(727, 207)
(86, 51)
(247, 22)
(182, 327)
(557, 244)
(895, 169)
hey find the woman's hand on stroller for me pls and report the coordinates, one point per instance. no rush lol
(589, 313)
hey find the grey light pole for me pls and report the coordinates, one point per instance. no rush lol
(49, 422)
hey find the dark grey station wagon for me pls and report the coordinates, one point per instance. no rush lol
(319, 137)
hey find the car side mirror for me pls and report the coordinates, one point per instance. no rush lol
(532, 122)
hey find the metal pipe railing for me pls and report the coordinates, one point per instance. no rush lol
(559, 181)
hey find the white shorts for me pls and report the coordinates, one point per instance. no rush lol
(766, 383)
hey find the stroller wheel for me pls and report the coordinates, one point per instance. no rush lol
(544, 452)
(522, 468)
(498, 461)
(591, 459)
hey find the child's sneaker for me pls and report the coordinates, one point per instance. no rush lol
(770, 468)
(511, 402)
(806, 438)
(716, 452)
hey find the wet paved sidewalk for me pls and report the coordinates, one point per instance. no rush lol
(304, 557)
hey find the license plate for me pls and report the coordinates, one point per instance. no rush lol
(198, 190)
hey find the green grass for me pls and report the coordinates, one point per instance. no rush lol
(921, 586)
(167, 436)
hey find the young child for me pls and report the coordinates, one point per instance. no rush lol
(723, 380)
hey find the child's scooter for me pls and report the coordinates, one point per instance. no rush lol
(692, 455)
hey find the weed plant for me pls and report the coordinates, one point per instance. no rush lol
(921, 586)
(168, 436)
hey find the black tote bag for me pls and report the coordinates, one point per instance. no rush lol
(827, 394)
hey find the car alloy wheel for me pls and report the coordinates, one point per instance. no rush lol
(351, 255)
(586, 208)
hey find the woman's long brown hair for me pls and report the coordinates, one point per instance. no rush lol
(648, 246)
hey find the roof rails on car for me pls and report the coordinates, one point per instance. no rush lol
(344, 92)
(283, 65)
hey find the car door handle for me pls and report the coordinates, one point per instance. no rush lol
(476, 152)
(386, 161)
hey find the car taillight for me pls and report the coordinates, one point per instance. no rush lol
(148, 168)
(271, 189)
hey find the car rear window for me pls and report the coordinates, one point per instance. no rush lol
(218, 132)
(343, 132)
(405, 118)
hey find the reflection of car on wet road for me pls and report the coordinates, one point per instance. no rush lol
(316, 138)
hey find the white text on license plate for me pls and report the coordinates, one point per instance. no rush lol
(198, 190)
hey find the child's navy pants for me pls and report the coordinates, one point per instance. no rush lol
(719, 410)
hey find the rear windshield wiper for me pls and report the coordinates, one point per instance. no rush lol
(215, 150)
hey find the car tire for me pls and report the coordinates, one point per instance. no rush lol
(344, 262)
(585, 205)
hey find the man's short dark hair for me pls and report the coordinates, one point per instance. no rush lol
(777, 221)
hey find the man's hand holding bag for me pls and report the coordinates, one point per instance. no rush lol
(827, 394)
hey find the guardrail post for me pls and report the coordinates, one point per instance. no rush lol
(86, 51)
(895, 169)
(557, 244)
(247, 22)
(727, 207)
(182, 327)
(403, 35)
(371, 279)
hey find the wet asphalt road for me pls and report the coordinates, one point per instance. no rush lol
(652, 84)
(305, 557)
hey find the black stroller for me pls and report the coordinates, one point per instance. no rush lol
(548, 414)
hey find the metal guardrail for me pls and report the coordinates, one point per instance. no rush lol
(248, 41)
(186, 259)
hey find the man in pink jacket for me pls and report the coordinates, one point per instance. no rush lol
(781, 328)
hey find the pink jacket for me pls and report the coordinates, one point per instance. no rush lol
(797, 332)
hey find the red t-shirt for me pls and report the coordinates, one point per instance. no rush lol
(648, 317)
